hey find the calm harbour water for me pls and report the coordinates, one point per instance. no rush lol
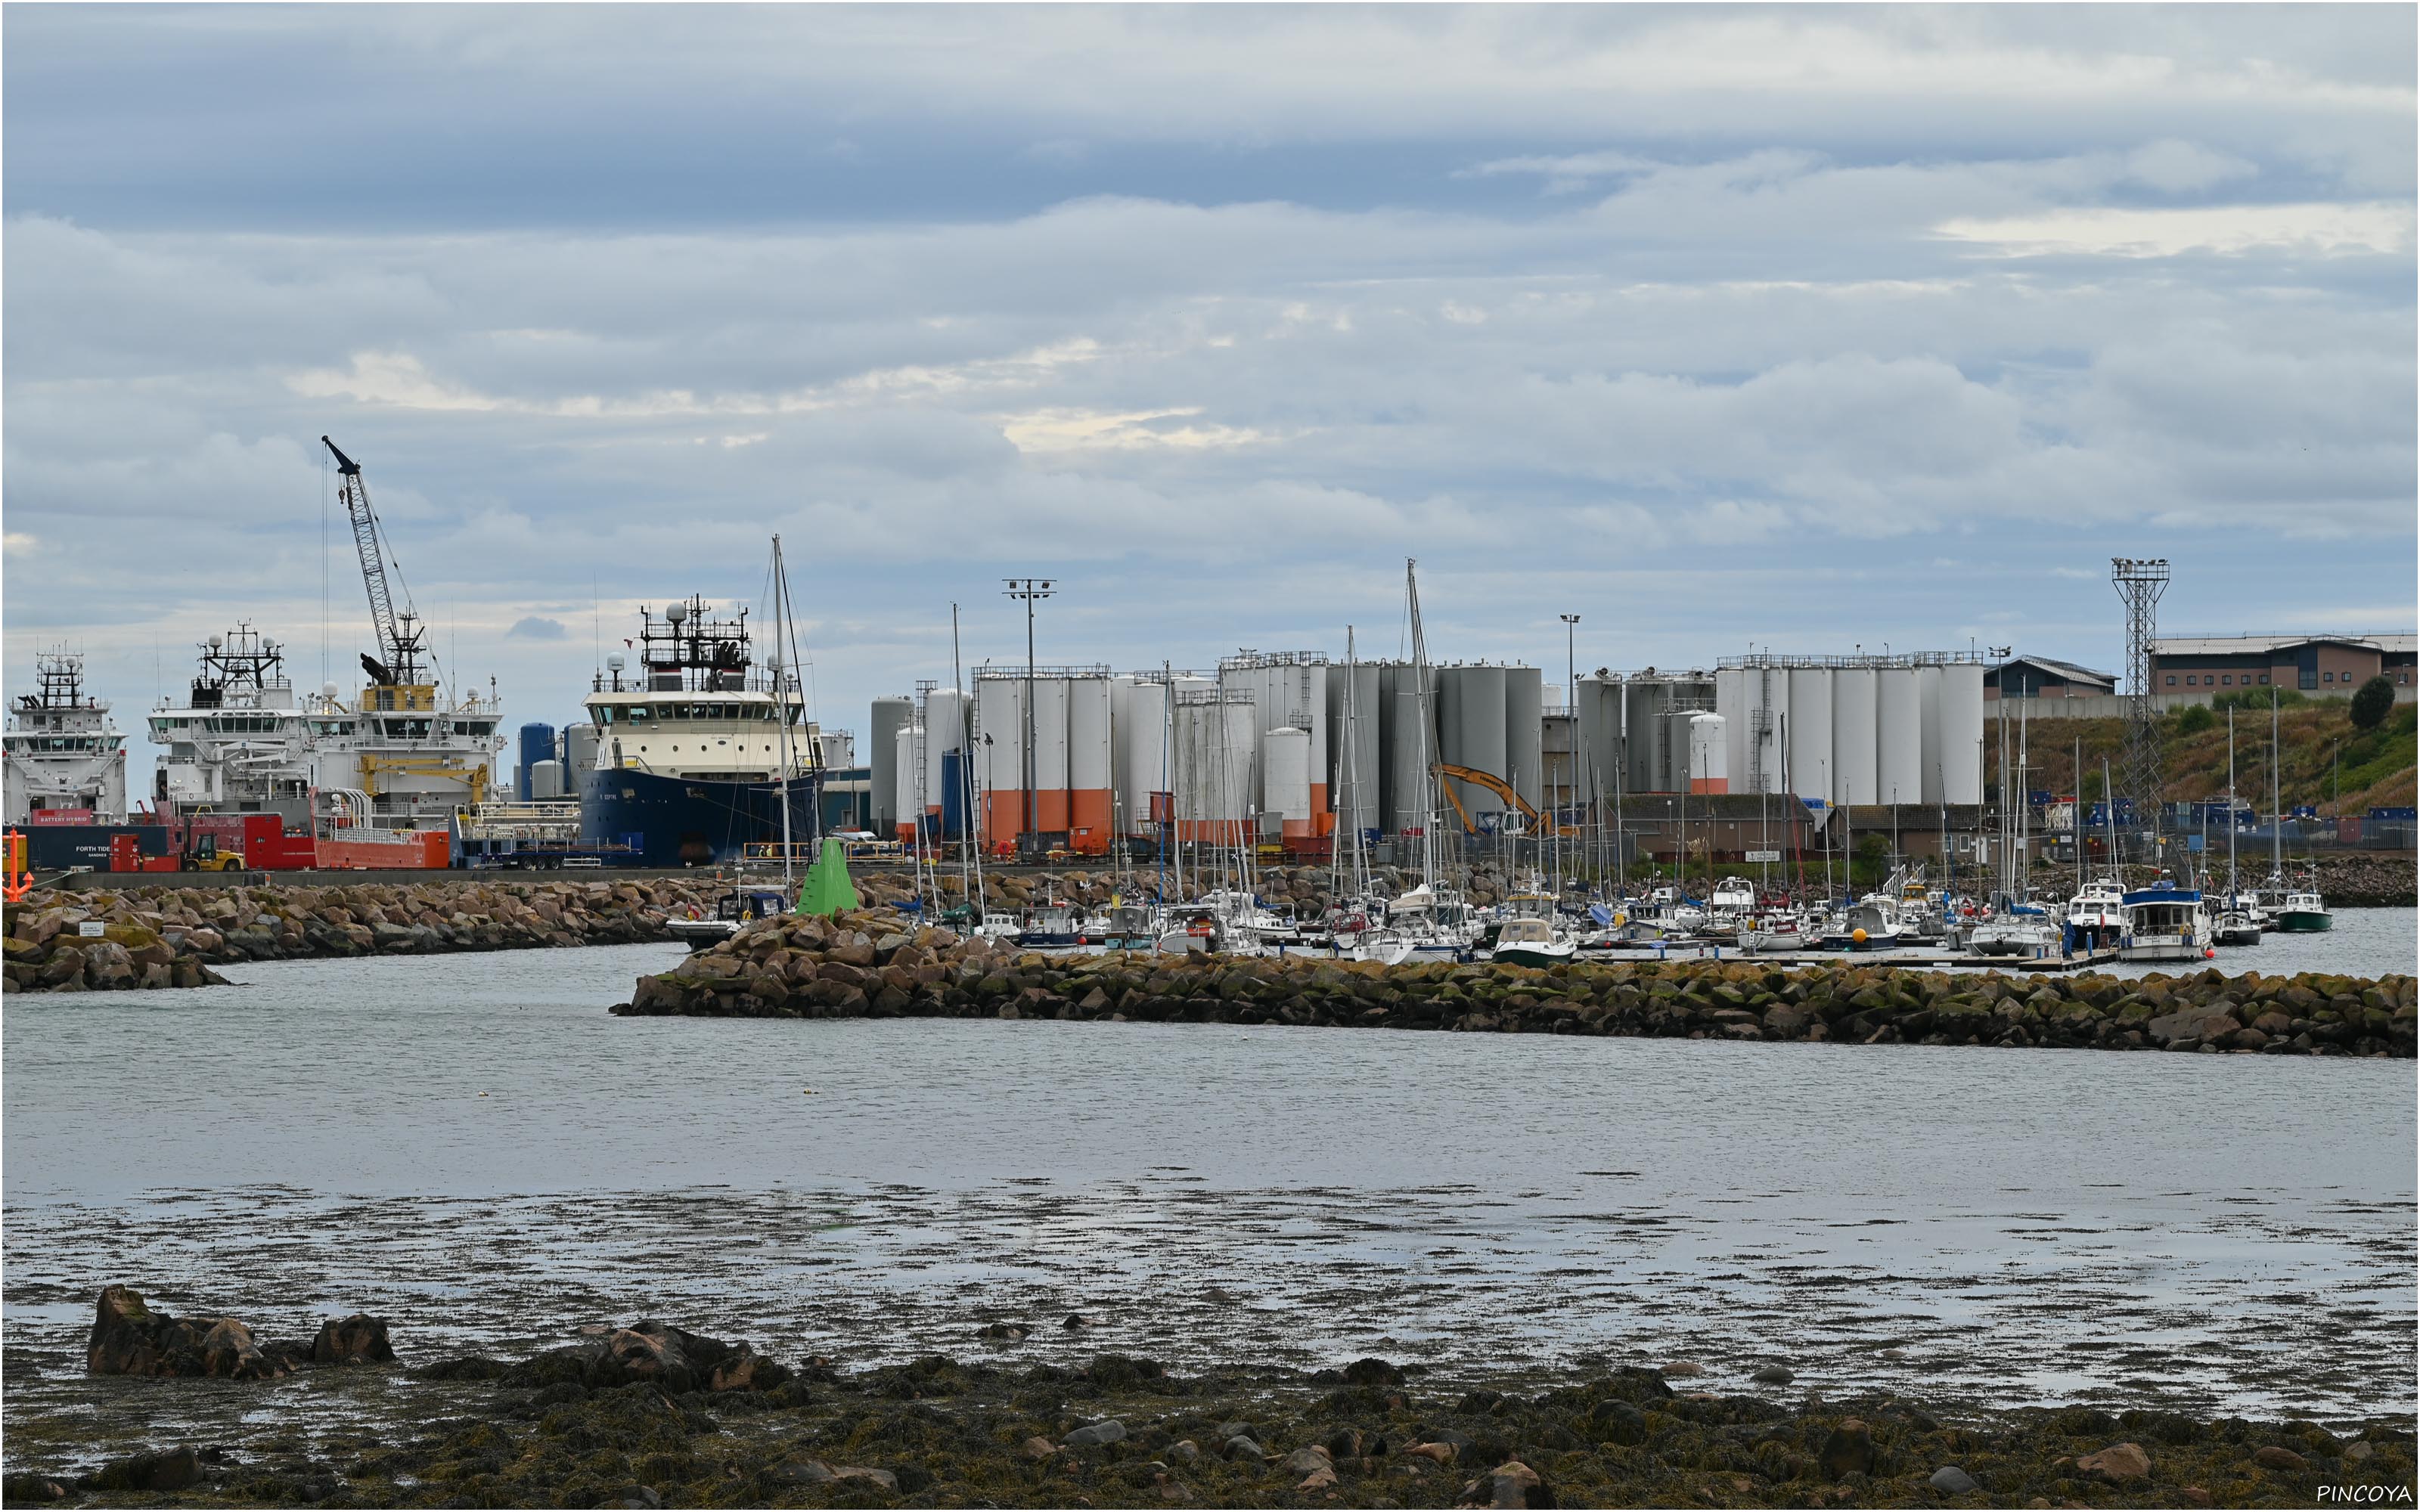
(470, 1146)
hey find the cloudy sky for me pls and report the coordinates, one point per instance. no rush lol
(1809, 327)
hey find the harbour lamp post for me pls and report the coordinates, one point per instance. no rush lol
(1028, 590)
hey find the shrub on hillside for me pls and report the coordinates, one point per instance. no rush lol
(2193, 718)
(2371, 705)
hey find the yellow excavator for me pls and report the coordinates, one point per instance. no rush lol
(1472, 774)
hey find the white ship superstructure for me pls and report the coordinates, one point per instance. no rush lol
(64, 753)
(406, 754)
(239, 742)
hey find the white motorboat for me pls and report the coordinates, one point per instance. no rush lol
(1532, 942)
(2163, 922)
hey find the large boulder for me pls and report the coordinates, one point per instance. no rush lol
(360, 1339)
(678, 1360)
(130, 1340)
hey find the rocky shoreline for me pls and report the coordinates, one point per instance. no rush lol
(879, 965)
(651, 1416)
(2365, 879)
(153, 937)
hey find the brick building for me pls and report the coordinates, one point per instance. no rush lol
(2202, 666)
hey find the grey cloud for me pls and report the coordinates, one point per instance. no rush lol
(535, 627)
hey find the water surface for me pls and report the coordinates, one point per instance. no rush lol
(470, 1146)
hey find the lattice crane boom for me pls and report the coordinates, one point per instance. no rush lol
(398, 640)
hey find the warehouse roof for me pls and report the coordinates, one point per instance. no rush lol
(2064, 669)
(2237, 645)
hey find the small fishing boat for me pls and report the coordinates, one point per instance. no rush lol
(2234, 925)
(1532, 942)
(2303, 912)
(1777, 929)
(733, 912)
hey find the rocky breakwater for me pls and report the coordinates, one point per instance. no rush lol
(2368, 879)
(877, 964)
(170, 936)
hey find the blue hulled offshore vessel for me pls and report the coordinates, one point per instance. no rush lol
(699, 750)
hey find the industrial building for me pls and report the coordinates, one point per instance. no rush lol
(2201, 666)
(1282, 747)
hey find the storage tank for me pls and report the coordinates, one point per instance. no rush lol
(1090, 819)
(837, 748)
(890, 715)
(1709, 753)
(1646, 701)
(999, 736)
(1050, 755)
(1731, 697)
(1899, 734)
(537, 745)
(1355, 793)
(1854, 720)
(907, 760)
(1765, 692)
(1679, 757)
(1961, 733)
(1139, 732)
(579, 745)
(1410, 750)
(545, 779)
(1214, 758)
(1810, 731)
(1525, 732)
(1285, 781)
(1928, 684)
(1472, 721)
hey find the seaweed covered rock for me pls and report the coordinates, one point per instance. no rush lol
(129, 1339)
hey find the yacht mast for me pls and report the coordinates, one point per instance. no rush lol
(1421, 686)
(785, 748)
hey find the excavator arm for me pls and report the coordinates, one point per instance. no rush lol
(1492, 783)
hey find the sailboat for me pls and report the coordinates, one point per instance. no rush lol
(1428, 921)
(2299, 910)
(2237, 922)
(2017, 927)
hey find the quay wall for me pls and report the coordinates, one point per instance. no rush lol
(878, 965)
(170, 936)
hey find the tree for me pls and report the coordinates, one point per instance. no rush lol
(2372, 703)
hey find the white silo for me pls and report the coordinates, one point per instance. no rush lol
(1645, 702)
(1354, 698)
(1411, 744)
(1285, 768)
(1680, 755)
(890, 715)
(1090, 820)
(1525, 732)
(1854, 720)
(1050, 755)
(1138, 723)
(1810, 731)
(1473, 727)
(1927, 682)
(1769, 713)
(999, 760)
(906, 757)
(1709, 753)
(1599, 733)
(1730, 702)
(1899, 734)
(1961, 731)
(945, 731)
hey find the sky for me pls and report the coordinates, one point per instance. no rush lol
(1810, 329)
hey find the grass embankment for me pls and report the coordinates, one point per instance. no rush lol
(2325, 761)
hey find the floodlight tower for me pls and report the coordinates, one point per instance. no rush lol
(2139, 585)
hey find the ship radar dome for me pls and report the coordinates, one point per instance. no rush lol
(676, 612)
(217, 641)
(613, 663)
(329, 690)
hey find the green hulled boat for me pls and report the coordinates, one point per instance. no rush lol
(2302, 913)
